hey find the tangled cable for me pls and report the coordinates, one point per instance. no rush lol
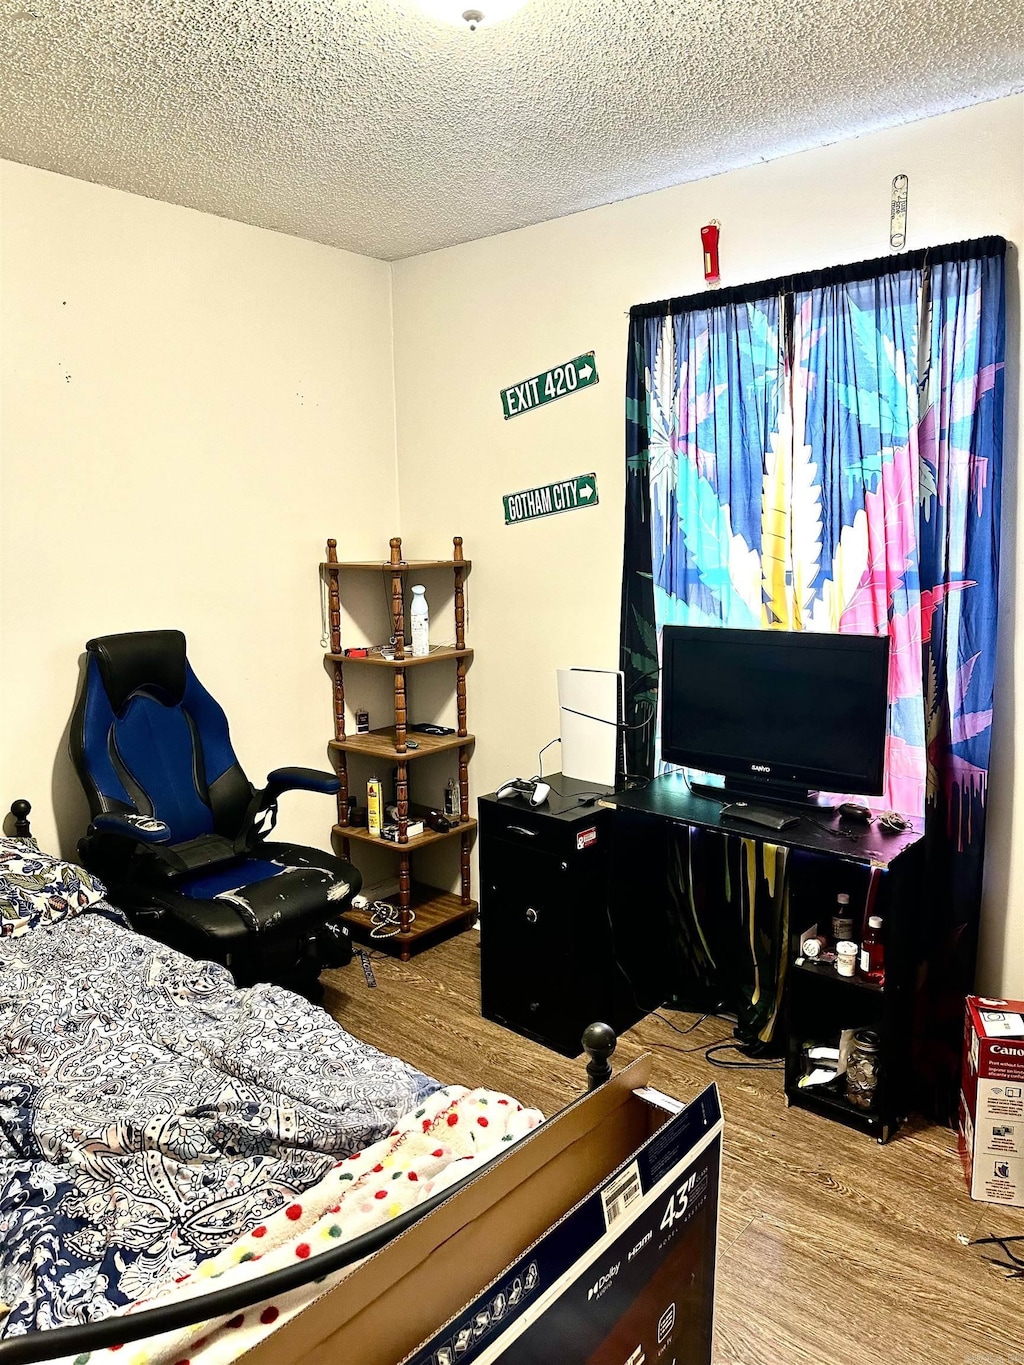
(386, 919)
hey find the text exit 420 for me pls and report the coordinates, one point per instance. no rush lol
(555, 383)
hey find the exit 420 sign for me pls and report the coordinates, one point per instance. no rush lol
(580, 373)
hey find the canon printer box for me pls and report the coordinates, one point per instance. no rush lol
(627, 1276)
(992, 1100)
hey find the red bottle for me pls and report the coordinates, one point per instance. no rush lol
(872, 951)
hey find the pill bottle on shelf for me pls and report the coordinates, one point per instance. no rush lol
(842, 919)
(872, 951)
(846, 957)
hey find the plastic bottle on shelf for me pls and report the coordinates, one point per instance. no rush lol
(419, 619)
(872, 951)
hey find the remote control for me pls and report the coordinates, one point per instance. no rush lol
(759, 815)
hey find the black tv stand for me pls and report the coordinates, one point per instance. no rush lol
(656, 830)
(764, 793)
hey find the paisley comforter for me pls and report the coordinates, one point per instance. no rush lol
(151, 1115)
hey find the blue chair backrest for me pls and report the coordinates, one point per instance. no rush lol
(148, 737)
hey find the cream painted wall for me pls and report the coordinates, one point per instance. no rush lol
(188, 407)
(477, 317)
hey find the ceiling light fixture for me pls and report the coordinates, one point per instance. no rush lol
(471, 13)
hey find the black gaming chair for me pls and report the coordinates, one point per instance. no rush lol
(178, 831)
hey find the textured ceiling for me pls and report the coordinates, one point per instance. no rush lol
(367, 125)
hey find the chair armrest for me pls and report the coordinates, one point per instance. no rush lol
(140, 829)
(261, 817)
(300, 779)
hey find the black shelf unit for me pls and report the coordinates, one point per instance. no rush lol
(881, 871)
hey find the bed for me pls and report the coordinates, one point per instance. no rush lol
(163, 1134)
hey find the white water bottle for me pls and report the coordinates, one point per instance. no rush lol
(419, 619)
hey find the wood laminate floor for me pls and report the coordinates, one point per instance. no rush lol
(832, 1250)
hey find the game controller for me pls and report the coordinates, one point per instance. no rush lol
(535, 791)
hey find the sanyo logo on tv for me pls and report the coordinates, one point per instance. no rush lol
(602, 1284)
(760, 768)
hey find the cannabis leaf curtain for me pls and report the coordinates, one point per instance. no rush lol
(822, 452)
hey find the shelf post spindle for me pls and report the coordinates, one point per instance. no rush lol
(337, 681)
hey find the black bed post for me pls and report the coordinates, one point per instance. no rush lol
(599, 1043)
(20, 810)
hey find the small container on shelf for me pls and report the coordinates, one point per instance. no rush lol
(842, 920)
(814, 946)
(846, 957)
(862, 1069)
(451, 799)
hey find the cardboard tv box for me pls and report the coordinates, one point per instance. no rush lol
(591, 1241)
(992, 1100)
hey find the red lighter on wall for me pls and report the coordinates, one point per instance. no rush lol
(709, 240)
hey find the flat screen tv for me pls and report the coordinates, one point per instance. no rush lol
(777, 714)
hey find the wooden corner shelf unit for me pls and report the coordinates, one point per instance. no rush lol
(425, 912)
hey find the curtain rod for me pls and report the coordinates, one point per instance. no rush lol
(977, 249)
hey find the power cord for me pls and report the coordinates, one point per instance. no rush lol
(689, 787)
(662, 1018)
(683, 1051)
(739, 1066)
(386, 919)
(709, 1049)
(837, 831)
(619, 724)
(584, 798)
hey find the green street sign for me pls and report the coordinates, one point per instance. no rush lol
(545, 388)
(564, 496)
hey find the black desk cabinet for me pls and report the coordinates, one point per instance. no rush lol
(880, 871)
(548, 960)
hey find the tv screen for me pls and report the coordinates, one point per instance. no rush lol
(777, 708)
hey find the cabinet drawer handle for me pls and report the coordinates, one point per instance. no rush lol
(531, 915)
(521, 829)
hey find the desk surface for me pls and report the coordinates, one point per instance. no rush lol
(566, 802)
(668, 798)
